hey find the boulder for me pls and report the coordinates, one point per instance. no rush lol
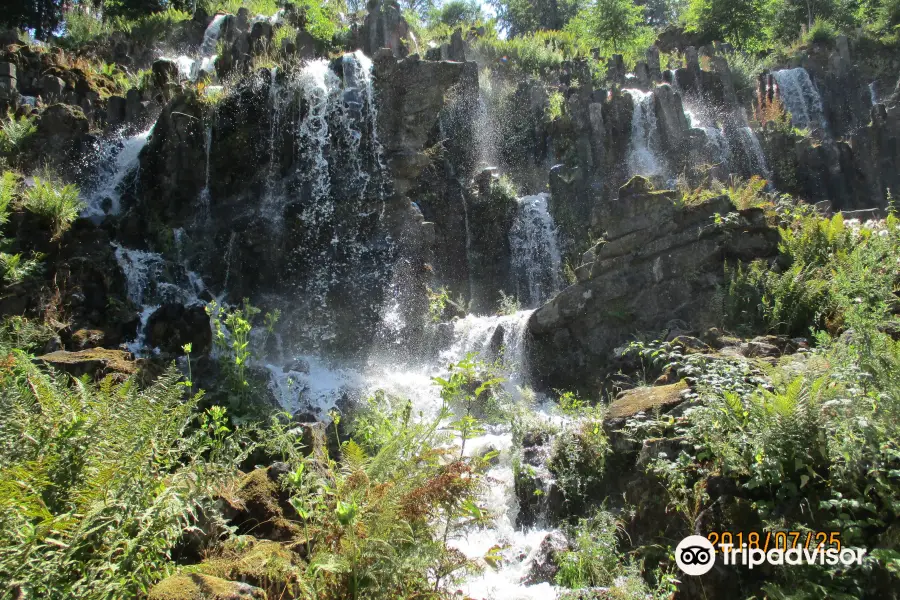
(545, 562)
(196, 586)
(163, 73)
(174, 325)
(96, 362)
(646, 399)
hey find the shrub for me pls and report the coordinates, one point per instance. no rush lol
(15, 132)
(58, 204)
(594, 559)
(83, 26)
(92, 508)
(821, 32)
(538, 54)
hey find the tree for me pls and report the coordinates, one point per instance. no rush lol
(458, 12)
(746, 24)
(610, 24)
(44, 16)
(518, 17)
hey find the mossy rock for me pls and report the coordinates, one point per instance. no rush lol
(646, 399)
(258, 507)
(268, 565)
(96, 362)
(203, 587)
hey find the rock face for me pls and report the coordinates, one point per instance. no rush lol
(96, 362)
(174, 325)
(385, 27)
(659, 262)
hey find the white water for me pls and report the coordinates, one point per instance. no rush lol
(189, 67)
(873, 93)
(320, 87)
(721, 153)
(801, 98)
(119, 157)
(536, 260)
(752, 148)
(643, 152)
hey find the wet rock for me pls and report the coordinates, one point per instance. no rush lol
(172, 326)
(115, 110)
(95, 362)
(545, 563)
(196, 586)
(163, 73)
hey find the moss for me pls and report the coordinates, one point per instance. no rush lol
(631, 402)
(202, 587)
(260, 510)
(265, 564)
(95, 360)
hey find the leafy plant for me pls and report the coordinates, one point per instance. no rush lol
(58, 204)
(90, 508)
(15, 132)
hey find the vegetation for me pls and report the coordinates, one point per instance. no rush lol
(58, 204)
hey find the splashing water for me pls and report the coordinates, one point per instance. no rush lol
(536, 259)
(801, 98)
(643, 154)
(211, 36)
(119, 159)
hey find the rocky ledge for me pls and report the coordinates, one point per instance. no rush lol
(660, 260)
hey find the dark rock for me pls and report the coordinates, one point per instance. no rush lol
(660, 262)
(545, 562)
(51, 88)
(172, 326)
(385, 27)
(306, 45)
(116, 110)
(163, 73)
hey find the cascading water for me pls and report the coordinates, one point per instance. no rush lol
(873, 93)
(753, 150)
(536, 260)
(118, 159)
(643, 152)
(801, 98)
(188, 67)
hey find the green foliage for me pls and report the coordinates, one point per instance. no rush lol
(520, 17)
(14, 133)
(555, 106)
(739, 22)
(509, 305)
(58, 204)
(614, 26)
(580, 449)
(828, 269)
(745, 68)
(92, 508)
(83, 25)
(458, 12)
(594, 559)
(539, 54)
(231, 336)
(822, 32)
(43, 16)
(152, 27)
(283, 32)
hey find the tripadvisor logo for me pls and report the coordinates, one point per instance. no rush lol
(696, 555)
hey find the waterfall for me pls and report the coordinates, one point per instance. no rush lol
(873, 93)
(205, 199)
(753, 150)
(536, 260)
(319, 85)
(211, 36)
(118, 159)
(643, 157)
(718, 145)
(801, 98)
